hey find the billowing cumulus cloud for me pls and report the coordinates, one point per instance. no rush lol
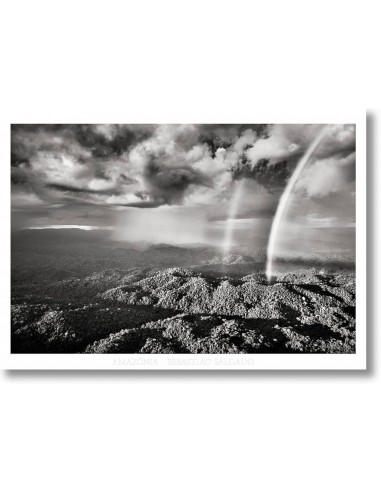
(91, 173)
(327, 176)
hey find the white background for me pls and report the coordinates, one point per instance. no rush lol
(292, 431)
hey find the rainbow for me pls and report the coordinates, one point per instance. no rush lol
(284, 201)
(233, 208)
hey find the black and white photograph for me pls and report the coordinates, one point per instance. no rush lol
(190, 242)
(183, 239)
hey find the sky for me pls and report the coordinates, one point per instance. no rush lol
(177, 183)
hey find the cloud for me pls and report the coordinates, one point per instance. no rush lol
(271, 158)
(80, 140)
(78, 189)
(165, 164)
(326, 176)
(279, 144)
(245, 141)
(118, 167)
(71, 226)
(272, 176)
(20, 199)
(168, 184)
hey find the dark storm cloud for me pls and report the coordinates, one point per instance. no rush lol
(98, 140)
(18, 158)
(146, 204)
(18, 176)
(75, 189)
(272, 176)
(116, 139)
(169, 184)
(222, 135)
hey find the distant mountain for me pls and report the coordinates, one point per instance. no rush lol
(51, 237)
(231, 259)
